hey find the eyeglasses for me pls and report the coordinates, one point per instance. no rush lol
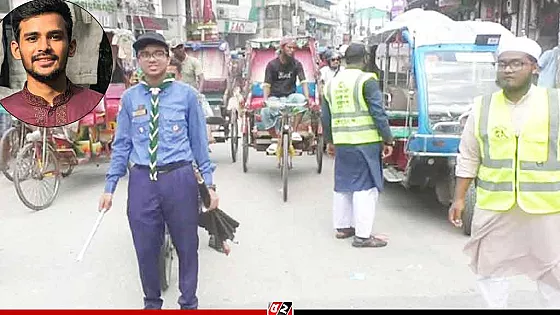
(514, 65)
(156, 54)
(335, 59)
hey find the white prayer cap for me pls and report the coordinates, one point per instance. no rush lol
(520, 44)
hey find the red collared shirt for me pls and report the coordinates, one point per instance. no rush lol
(68, 107)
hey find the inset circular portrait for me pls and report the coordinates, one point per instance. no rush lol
(56, 63)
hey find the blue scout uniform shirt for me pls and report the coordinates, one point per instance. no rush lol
(182, 134)
(351, 160)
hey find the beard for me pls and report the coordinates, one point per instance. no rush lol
(46, 78)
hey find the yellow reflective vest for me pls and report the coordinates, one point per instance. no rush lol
(524, 168)
(351, 121)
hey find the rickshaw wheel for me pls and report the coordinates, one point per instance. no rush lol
(468, 212)
(234, 139)
(26, 168)
(9, 141)
(68, 170)
(166, 261)
(245, 149)
(319, 153)
(285, 164)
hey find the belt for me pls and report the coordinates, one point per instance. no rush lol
(162, 169)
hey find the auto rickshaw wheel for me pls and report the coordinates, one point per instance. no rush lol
(30, 166)
(234, 138)
(468, 212)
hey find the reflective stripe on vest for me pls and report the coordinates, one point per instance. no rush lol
(351, 125)
(532, 178)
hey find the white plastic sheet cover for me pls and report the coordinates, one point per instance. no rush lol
(432, 28)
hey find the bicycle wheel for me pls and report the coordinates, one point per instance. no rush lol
(234, 139)
(30, 167)
(9, 146)
(285, 164)
(246, 130)
(166, 261)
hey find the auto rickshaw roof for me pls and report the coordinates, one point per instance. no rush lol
(433, 28)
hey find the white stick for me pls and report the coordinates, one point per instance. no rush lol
(91, 234)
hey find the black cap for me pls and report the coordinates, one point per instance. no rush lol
(355, 50)
(149, 38)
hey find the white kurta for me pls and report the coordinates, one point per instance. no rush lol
(504, 244)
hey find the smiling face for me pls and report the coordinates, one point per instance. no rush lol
(154, 60)
(44, 46)
(515, 70)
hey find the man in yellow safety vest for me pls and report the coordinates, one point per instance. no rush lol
(357, 128)
(509, 147)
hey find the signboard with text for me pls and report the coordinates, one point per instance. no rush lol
(237, 27)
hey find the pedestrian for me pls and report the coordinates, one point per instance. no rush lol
(43, 42)
(357, 132)
(331, 69)
(161, 129)
(192, 72)
(509, 151)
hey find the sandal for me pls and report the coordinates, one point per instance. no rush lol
(345, 233)
(368, 242)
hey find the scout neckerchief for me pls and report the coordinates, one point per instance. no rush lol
(154, 119)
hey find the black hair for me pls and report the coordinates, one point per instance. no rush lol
(177, 64)
(37, 7)
(355, 59)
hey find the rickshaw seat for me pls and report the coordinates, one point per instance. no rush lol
(257, 89)
(111, 109)
(214, 85)
(95, 117)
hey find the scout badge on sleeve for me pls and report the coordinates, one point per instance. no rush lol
(216, 222)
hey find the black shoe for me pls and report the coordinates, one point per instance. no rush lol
(368, 242)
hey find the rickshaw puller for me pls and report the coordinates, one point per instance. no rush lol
(280, 84)
(161, 129)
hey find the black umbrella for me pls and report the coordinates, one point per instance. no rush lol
(219, 225)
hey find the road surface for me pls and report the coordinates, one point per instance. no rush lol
(286, 251)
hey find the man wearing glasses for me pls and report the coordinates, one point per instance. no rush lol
(332, 68)
(161, 129)
(510, 145)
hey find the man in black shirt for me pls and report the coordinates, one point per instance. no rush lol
(280, 84)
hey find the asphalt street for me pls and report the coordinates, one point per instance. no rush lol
(286, 251)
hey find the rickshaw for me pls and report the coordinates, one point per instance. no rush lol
(215, 59)
(259, 53)
(431, 69)
(48, 154)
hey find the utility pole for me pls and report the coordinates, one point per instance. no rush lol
(281, 18)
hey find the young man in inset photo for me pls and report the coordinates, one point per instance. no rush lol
(43, 42)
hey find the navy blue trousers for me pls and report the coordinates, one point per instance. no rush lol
(171, 200)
